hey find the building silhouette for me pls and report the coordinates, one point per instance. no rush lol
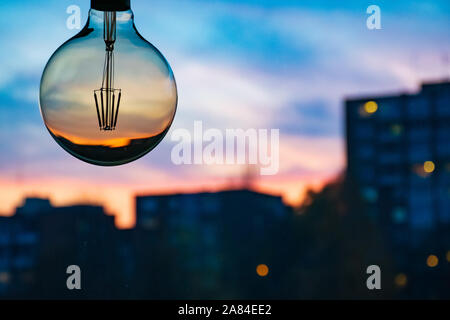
(19, 246)
(398, 150)
(183, 246)
(219, 237)
(40, 241)
(398, 153)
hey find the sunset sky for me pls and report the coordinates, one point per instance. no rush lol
(284, 65)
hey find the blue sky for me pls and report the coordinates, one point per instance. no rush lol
(238, 64)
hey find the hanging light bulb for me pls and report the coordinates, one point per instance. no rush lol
(108, 96)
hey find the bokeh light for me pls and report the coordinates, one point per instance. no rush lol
(397, 129)
(370, 106)
(428, 166)
(262, 270)
(4, 277)
(401, 280)
(432, 261)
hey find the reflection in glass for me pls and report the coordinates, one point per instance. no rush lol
(107, 95)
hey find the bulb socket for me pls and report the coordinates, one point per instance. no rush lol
(110, 5)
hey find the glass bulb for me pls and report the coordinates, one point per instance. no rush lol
(107, 95)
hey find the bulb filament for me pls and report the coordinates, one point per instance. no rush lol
(108, 110)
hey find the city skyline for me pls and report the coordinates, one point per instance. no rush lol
(231, 59)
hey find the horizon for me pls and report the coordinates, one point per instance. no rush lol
(141, 195)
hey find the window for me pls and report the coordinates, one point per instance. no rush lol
(399, 215)
(365, 151)
(443, 147)
(419, 152)
(364, 131)
(389, 109)
(443, 104)
(419, 134)
(390, 158)
(366, 173)
(420, 206)
(418, 107)
(390, 179)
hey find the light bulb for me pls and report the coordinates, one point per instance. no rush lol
(107, 95)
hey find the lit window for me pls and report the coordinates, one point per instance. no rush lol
(396, 129)
(370, 107)
(262, 270)
(432, 261)
(399, 215)
(4, 277)
(370, 194)
(401, 280)
(428, 166)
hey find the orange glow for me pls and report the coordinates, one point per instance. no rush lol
(370, 107)
(118, 199)
(420, 170)
(428, 166)
(432, 261)
(4, 277)
(401, 280)
(115, 199)
(262, 270)
(113, 142)
(75, 182)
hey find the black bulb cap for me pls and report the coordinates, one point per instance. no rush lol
(110, 5)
